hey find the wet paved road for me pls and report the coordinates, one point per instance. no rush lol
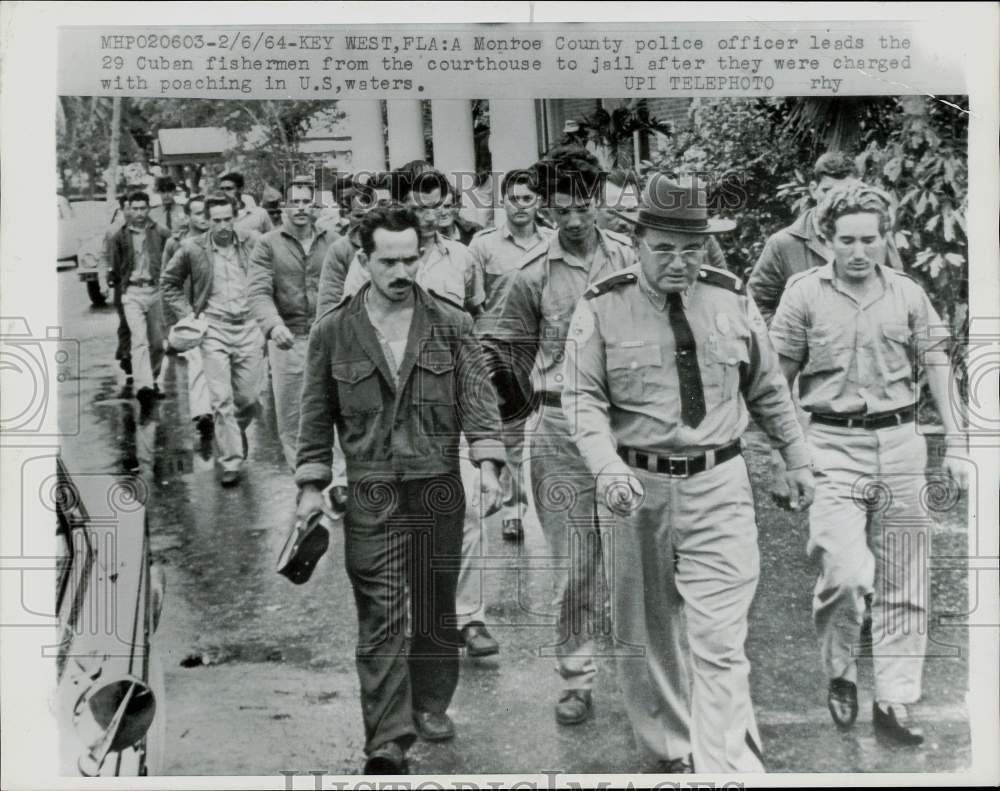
(260, 673)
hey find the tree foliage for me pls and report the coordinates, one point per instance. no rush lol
(267, 133)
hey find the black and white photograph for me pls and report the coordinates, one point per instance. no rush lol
(468, 432)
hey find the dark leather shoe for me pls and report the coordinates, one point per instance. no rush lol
(387, 759)
(229, 478)
(893, 723)
(842, 700)
(512, 530)
(478, 641)
(434, 727)
(574, 706)
(205, 425)
(147, 398)
(676, 766)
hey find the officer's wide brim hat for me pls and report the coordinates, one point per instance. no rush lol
(671, 206)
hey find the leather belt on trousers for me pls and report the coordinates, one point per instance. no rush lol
(881, 420)
(142, 281)
(227, 320)
(679, 466)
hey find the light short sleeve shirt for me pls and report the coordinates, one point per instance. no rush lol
(856, 357)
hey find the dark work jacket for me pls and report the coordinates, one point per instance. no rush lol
(410, 429)
(193, 260)
(122, 255)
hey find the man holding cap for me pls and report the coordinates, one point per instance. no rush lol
(665, 362)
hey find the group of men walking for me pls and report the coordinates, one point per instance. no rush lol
(412, 371)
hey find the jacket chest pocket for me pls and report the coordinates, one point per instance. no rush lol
(358, 390)
(634, 372)
(434, 375)
(723, 363)
(434, 393)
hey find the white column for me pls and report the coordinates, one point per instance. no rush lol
(451, 127)
(364, 119)
(513, 134)
(406, 131)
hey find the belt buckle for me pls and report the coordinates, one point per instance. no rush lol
(682, 460)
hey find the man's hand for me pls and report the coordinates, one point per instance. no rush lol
(801, 488)
(621, 491)
(310, 501)
(489, 487)
(282, 337)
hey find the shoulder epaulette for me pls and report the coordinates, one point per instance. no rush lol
(610, 283)
(344, 300)
(800, 275)
(619, 237)
(484, 231)
(445, 299)
(721, 278)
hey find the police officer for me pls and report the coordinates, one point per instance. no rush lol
(524, 333)
(665, 362)
(853, 332)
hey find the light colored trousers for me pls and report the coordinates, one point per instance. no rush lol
(199, 398)
(685, 564)
(144, 316)
(868, 533)
(470, 594)
(232, 356)
(287, 371)
(515, 498)
(572, 524)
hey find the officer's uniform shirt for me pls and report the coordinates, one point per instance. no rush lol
(856, 357)
(622, 383)
(446, 269)
(497, 251)
(536, 300)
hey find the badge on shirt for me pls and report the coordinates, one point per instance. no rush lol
(582, 326)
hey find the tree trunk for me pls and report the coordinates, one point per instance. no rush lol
(116, 123)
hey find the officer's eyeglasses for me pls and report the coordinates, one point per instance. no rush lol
(690, 257)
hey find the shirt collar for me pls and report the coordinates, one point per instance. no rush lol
(556, 251)
(507, 234)
(827, 272)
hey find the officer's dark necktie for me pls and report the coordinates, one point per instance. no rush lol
(692, 395)
(170, 220)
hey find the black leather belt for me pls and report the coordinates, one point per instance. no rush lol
(552, 399)
(227, 320)
(679, 466)
(142, 281)
(881, 420)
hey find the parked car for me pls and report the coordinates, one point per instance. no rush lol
(93, 266)
(109, 679)
(68, 233)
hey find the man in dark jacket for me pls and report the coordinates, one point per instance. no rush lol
(232, 349)
(399, 373)
(136, 251)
